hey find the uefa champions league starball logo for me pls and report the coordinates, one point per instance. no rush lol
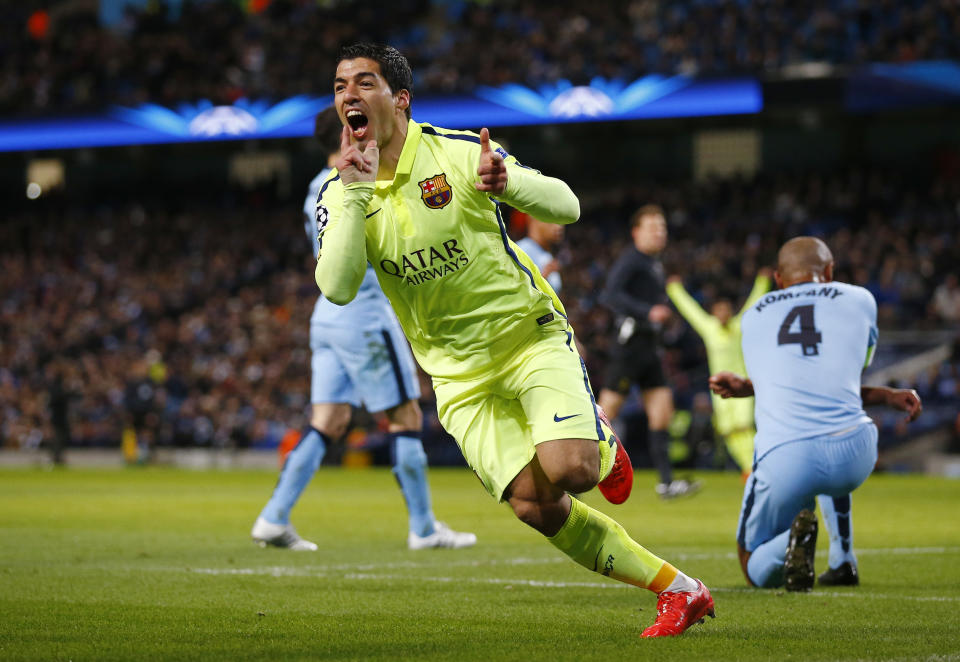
(599, 99)
(581, 100)
(223, 120)
(205, 120)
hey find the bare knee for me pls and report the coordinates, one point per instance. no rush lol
(331, 418)
(579, 475)
(573, 465)
(405, 416)
(546, 516)
(658, 403)
(537, 501)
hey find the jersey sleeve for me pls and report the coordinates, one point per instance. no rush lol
(695, 315)
(310, 209)
(341, 225)
(871, 310)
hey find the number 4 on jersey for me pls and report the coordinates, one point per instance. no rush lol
(807, 337)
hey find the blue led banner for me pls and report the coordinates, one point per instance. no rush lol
(903, 85)
(510, 105)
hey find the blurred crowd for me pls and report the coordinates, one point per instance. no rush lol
(187, 323)
(176, 324)
(63, 59)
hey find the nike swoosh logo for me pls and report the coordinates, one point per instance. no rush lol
(373, 212)
(557, 419)
(596, 561)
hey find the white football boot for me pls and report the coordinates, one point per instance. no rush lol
(443, 537)
(279, 535)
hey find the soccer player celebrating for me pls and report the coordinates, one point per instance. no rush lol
(720, 331)
(805, 347)
(359, 357)
(422, 205)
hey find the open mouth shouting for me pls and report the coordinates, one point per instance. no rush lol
(359, 124)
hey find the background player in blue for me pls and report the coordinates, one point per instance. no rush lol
(359, 357)
(542, 238)
(805, 346)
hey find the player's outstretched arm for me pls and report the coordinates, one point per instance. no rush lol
(695, 315)
(731, 385)
(545, 198)
(761, 285)
(342, 261)
(901, 399)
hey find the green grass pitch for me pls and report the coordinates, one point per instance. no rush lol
(156, 564)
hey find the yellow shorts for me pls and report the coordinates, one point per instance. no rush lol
(539, 394)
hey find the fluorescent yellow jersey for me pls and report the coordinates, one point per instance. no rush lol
(722, 342)
(464, 293)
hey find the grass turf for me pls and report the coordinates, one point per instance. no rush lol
(155, 564)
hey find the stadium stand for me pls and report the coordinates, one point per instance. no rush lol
(204, 296)
(64, 59)
(216, 298)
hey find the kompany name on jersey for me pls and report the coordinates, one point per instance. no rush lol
(783, 295)
(430, 263)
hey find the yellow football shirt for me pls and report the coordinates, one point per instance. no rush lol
(464, 293)
(721, 341)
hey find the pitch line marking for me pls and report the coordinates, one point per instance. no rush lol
(478, 563)
(278, 571)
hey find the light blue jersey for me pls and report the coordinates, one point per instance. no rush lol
(358, 356)
(805, 347)
(359, 353)
(370, 307)
(541, 257)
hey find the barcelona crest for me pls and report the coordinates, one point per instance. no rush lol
(435, 192)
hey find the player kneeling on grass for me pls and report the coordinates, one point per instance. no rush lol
(422, 206)
(805, 346)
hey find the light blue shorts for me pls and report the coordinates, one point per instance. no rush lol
(371, 366)
(789, 477)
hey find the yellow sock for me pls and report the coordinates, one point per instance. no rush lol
(740, 448)
(600, 544)
(608, 453)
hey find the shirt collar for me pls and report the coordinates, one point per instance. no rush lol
(409, 151)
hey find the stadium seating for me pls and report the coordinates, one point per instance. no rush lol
(222, 324)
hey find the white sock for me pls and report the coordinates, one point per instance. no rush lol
(681, 583)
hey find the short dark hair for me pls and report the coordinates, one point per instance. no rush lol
(327, 128)
(393, 65)
(646, 210)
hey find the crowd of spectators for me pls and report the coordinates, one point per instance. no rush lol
(174, 322)
(188, 322)
(63, 59)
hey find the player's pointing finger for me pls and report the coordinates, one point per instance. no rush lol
(484, 141)
(344, 139)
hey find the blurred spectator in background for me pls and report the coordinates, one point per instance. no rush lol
(141, 401)
(63, 58)
(59, 394)
(228, 312)
(946, 299)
